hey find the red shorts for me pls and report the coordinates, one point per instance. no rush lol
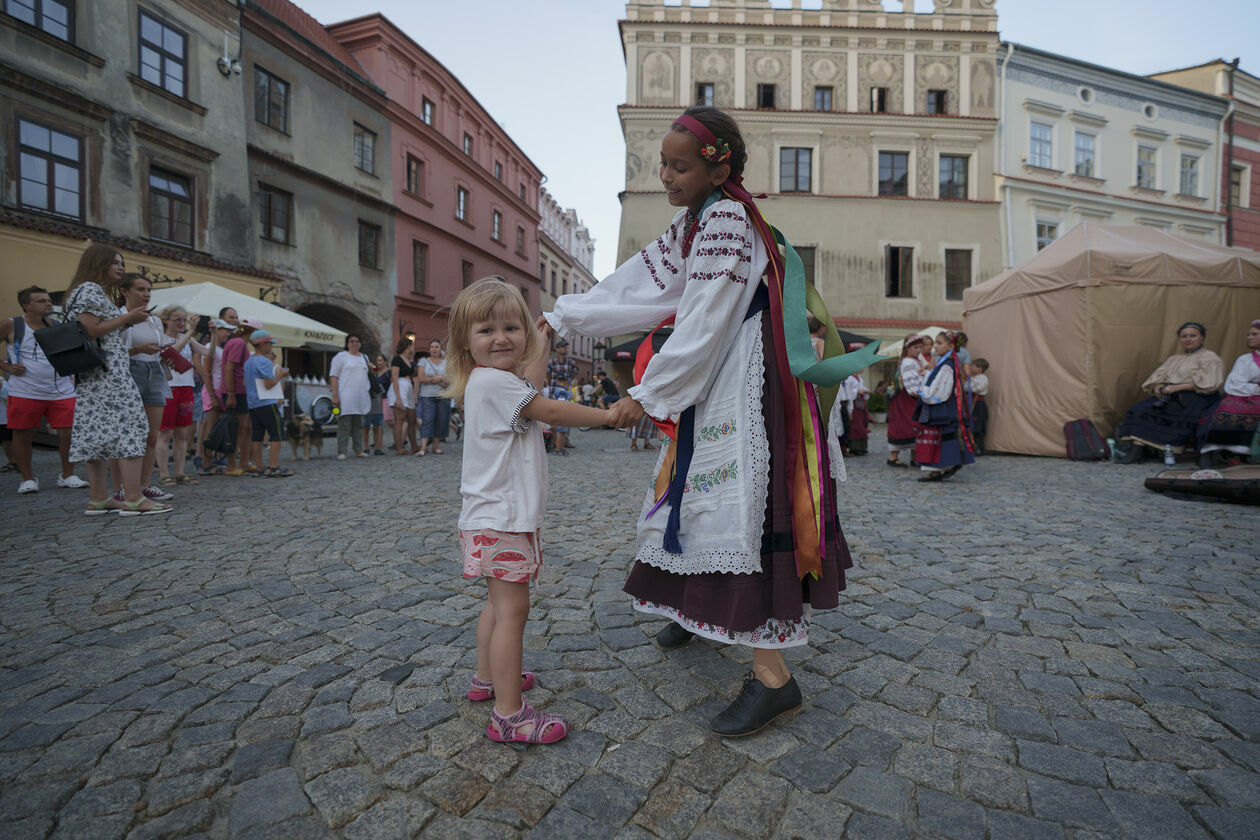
(178, 413)
(26, 413)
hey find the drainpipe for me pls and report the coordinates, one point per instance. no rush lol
(1009, 241)
(1229, 164)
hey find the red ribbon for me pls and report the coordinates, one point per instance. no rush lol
(642, 356)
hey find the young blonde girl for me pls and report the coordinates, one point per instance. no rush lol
(497, 365)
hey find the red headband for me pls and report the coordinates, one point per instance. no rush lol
(713, 149)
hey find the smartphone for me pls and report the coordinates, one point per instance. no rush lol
(203, 325)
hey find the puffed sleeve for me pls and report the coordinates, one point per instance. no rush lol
(940, 389)
(1242, 380)
(1161, 375)
(722, 277)
(1208, 373)
(642, 292)
(911, 377)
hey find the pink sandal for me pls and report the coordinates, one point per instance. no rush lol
(483, 690)
(546, 728)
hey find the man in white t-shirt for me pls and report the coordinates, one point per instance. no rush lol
(35, 390)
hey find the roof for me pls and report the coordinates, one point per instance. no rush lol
(1115, 255)
(311, 30)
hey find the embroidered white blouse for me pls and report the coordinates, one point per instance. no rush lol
(1244, 377)
(941, 389)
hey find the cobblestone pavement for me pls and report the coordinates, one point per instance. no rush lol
(1036, 649)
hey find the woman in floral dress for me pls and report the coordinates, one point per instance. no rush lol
(109, 419)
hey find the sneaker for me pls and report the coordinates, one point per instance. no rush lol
(341, 456)
(157, 494)
(73, 482)
(31, 486)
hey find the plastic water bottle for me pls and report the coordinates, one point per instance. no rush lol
(1170, 459)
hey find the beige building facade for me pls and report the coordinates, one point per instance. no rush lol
(870, 130)
(566, 255)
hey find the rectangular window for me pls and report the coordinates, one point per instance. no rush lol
(163, 54)
(765, 96)
(893, 173)
(1083, 164)
(364, 149)
(954, 176)
(271, 100)
(553, 282)
(275, 214)
(496, 226)
(467, 144)
(879, 100)
(957, 272)
(938, 102)
(369, 245)
(56, 17)
(542, 274)
(51, 169)
(899, 271)
(704, 93)
(1237, 176)
(1047, 232)
(807, 253)
(1189, 175)
(794, 169)
(465, 273)
(419, 267)
(498, 171)
(1146, 167)
(1041, 145)
(426, 112)
(461, 203)
(522, 192)
(170, 207)
(564, 284)
(822, 98)
(415, 175)
(520, 240)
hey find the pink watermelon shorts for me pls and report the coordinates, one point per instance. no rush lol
(503, 555)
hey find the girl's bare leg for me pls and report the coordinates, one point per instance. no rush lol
(510, 604)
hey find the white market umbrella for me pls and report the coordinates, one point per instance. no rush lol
(289, 328)
(893, 351)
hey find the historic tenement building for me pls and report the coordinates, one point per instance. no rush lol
(466, 193)
(1240, 153)
(1083, 143)
(320, 169)
(120, 123)
(566, 255)
(871, 131)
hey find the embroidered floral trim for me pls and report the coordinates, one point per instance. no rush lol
(722, 236)
(723, 251)
(717, 431)
(715, 275)
(651, 269)
(660, 246)
(772, 633)
(712, 480)
(727, 214)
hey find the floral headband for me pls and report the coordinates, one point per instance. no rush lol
(712, 149)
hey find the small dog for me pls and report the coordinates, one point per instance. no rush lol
(303, 432)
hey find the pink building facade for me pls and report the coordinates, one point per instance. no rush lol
(467, 196)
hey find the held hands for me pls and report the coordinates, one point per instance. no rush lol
(543, 327)
(625, 412)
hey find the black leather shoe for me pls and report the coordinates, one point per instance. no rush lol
(674, 635)
(755, 707)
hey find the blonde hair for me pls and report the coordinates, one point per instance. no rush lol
(483, 300)
(166, 313)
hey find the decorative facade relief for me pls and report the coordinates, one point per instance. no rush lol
(923, 169)
(643, 149)
(886, 71)
(933, 72)
(768, 67)
(718, 67)
(982, 75)
(824, 69)
(658, 76)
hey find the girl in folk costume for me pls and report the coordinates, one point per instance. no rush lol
(1233, 425)
(902, 428)
(944, 445)
(739, 539)
(857, 427)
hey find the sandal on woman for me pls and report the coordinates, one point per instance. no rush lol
(276, 472)
(186, 479)
(134, 509)
(101, 508)
(544, 728)
(9, 467)
(237, 473)
(437, 450)
(167, 481)
(484, 689)
(419, 453)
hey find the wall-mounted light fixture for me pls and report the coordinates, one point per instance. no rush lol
(226, 64)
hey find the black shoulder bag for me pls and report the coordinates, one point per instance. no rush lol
(69, 348)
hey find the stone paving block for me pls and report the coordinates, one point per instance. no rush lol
(1140, 815)
(809, 769)
(1230, 787)
(1229, 823)
(811, 817)
(942, 815)
(490, 760)
(955, 736)
(514, 803)
(751, 802)
(165, 793)
(1155, 778)
(604, 798)
(635, 763)
(992, 783)
(268, 799)
(412, 770)
(565, 822)
(1070, 805)
(926, 765)
(1004, 825)
(550, 772)
(881, 793)
(868, 827)
(1020, 722)
(1062, 763)
(1102, 737)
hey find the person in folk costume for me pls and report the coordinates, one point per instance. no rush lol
(944, 444)
(857, 429)
(740, 538)
(902, 407)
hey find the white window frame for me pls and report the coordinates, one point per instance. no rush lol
(1137, 167)
(970, 155)
(813, 168)
(1033, 159)
(1193, 171)
(1037, 223)
(1093, 154)
(1244, 185)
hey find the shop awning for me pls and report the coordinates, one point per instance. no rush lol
(289, 328)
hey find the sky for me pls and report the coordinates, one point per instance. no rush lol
(552, 72)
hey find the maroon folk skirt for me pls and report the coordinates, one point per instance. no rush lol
(902, 428)
(744, 602)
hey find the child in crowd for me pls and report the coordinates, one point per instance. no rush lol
(856, 419)
(374, 422)
(902, 406)
(264, 413)
(944, 444)
(978, 384)
(496, 363)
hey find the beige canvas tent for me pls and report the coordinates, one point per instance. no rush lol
(1074, 331)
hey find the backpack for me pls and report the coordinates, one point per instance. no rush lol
(1084, 443)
